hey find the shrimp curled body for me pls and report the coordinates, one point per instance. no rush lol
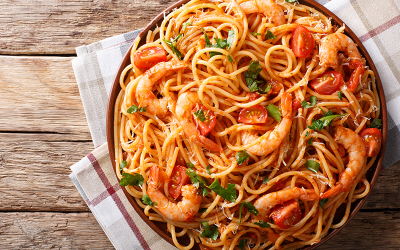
(267, 7)
(144, 90)
(181, 211)
(184, 106)
(355, 147)
(275, 138)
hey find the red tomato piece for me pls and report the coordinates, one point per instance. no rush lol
(254, 96)
(296, 104)
(327, 83)
(372, 140)
(253, 115)
(204, 118)
(177, 180)
(287, 214)
(252, 235)
(302, 42)
(150, 56)
(355, 78)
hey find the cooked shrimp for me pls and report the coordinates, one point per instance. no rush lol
(332, 44)
(354, 146)
(184, 106)
(144, 90)
(267, 7)
(181, 211)
(268, 201)
(275, 138)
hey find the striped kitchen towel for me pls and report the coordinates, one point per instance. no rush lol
(376, 23)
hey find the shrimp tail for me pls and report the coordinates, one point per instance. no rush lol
(337, 189)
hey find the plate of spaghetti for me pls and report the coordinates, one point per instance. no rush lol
(248, 124)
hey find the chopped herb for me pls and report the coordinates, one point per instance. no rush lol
(133, 109)
(310, 141)
(376, 123)
(251, 76)
(273, 111)
(209, 231)
(263, 224)
(307, 133)
(230, 58)
(272, 221)
(240, 212)
(219, 43)
(198, 181)
(231, 37)
(200, 115)
(172, 45)
(242, 243)
(241, 157)
(185, 24)
(323, 202)
(269, 35)
(202, 210)
(256, 34)
(131, 179)
(340, 95)
(122, 165)
(146, 200)
(312, 166)
(324, 121)
(290, 1)
(266, 179)
(251, 208)
(208, 169)
(313, 101)
(228, 194)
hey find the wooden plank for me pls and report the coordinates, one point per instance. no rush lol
(368, 230)
(40, 94)
(34, 171)
(57, 27)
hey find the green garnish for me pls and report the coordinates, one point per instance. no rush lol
(146, 200)
(198, 181)
(200, 115)
(250, 207)
(172, 45)
(324, 121)
(242, 243)
(241, 157)
(251, 76)
(340, 95)
(228, 194)
(269, 35)
(263, 224)
(266, 179)
(273, 111)
(209, 231)
(313, 101)
(377, 123)
(202, 210)
(256, 34)
(133, 109)
(312, 166)
(219, 43)
(290, 1)
(240, 212)
(185, 24)
(131, 179)
(323, 202)
(230, 58)
(122, 165)
(310, 141)
(208, 169)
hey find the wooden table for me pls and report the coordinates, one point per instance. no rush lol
(43, 129)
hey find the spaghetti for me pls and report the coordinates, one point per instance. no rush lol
(242, 124)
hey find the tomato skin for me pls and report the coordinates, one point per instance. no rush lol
(204, 127)
(177, 180)
(355, 78)
(254, 96)
(287, 214)
(150, 56)
(327, 83)
(372, 138)
(296, 104)
(302, 42)
(254, 115)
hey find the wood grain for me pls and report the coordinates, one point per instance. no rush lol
(57, 27)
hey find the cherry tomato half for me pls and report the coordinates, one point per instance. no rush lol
(327, 83)
(177, 180)
(355, 78)
(302, 42)
(253, 115)
(372, 140)
(287, 214)
(150, 56)
(204, 119)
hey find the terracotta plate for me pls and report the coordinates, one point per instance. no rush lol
(372, 173)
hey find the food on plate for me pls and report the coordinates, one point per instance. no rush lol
(246, 124)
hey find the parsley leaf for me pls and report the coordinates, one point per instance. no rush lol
(376, 123)
(313, 166)
(269, 35)
(133, 109)
(241, 157)
(323, 202)
(242, 243)
(251, 76)
(208, 169)
(273, 111)
(340, 95)
(251, 208)
(198, 181)
(230, 58)
(313, 101)
(310, 141)
(200, 115)
(172, 45)
(263, 224)
(324, 121)
(266, 179)
(185, 24)
(228, 194)
(209, 231)
(122, 165)
(231, 37)
(202, 210)
(240, 212)
(256, 34)
(131, 179)
(290, 1)
(146, 200)
(219, 43)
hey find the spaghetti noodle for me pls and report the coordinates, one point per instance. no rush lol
(238, 124)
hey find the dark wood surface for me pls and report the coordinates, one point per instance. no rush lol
(43, 129)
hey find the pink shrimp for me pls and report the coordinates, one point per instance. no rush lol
(267, 7)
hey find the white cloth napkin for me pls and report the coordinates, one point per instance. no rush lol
(376, 23)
